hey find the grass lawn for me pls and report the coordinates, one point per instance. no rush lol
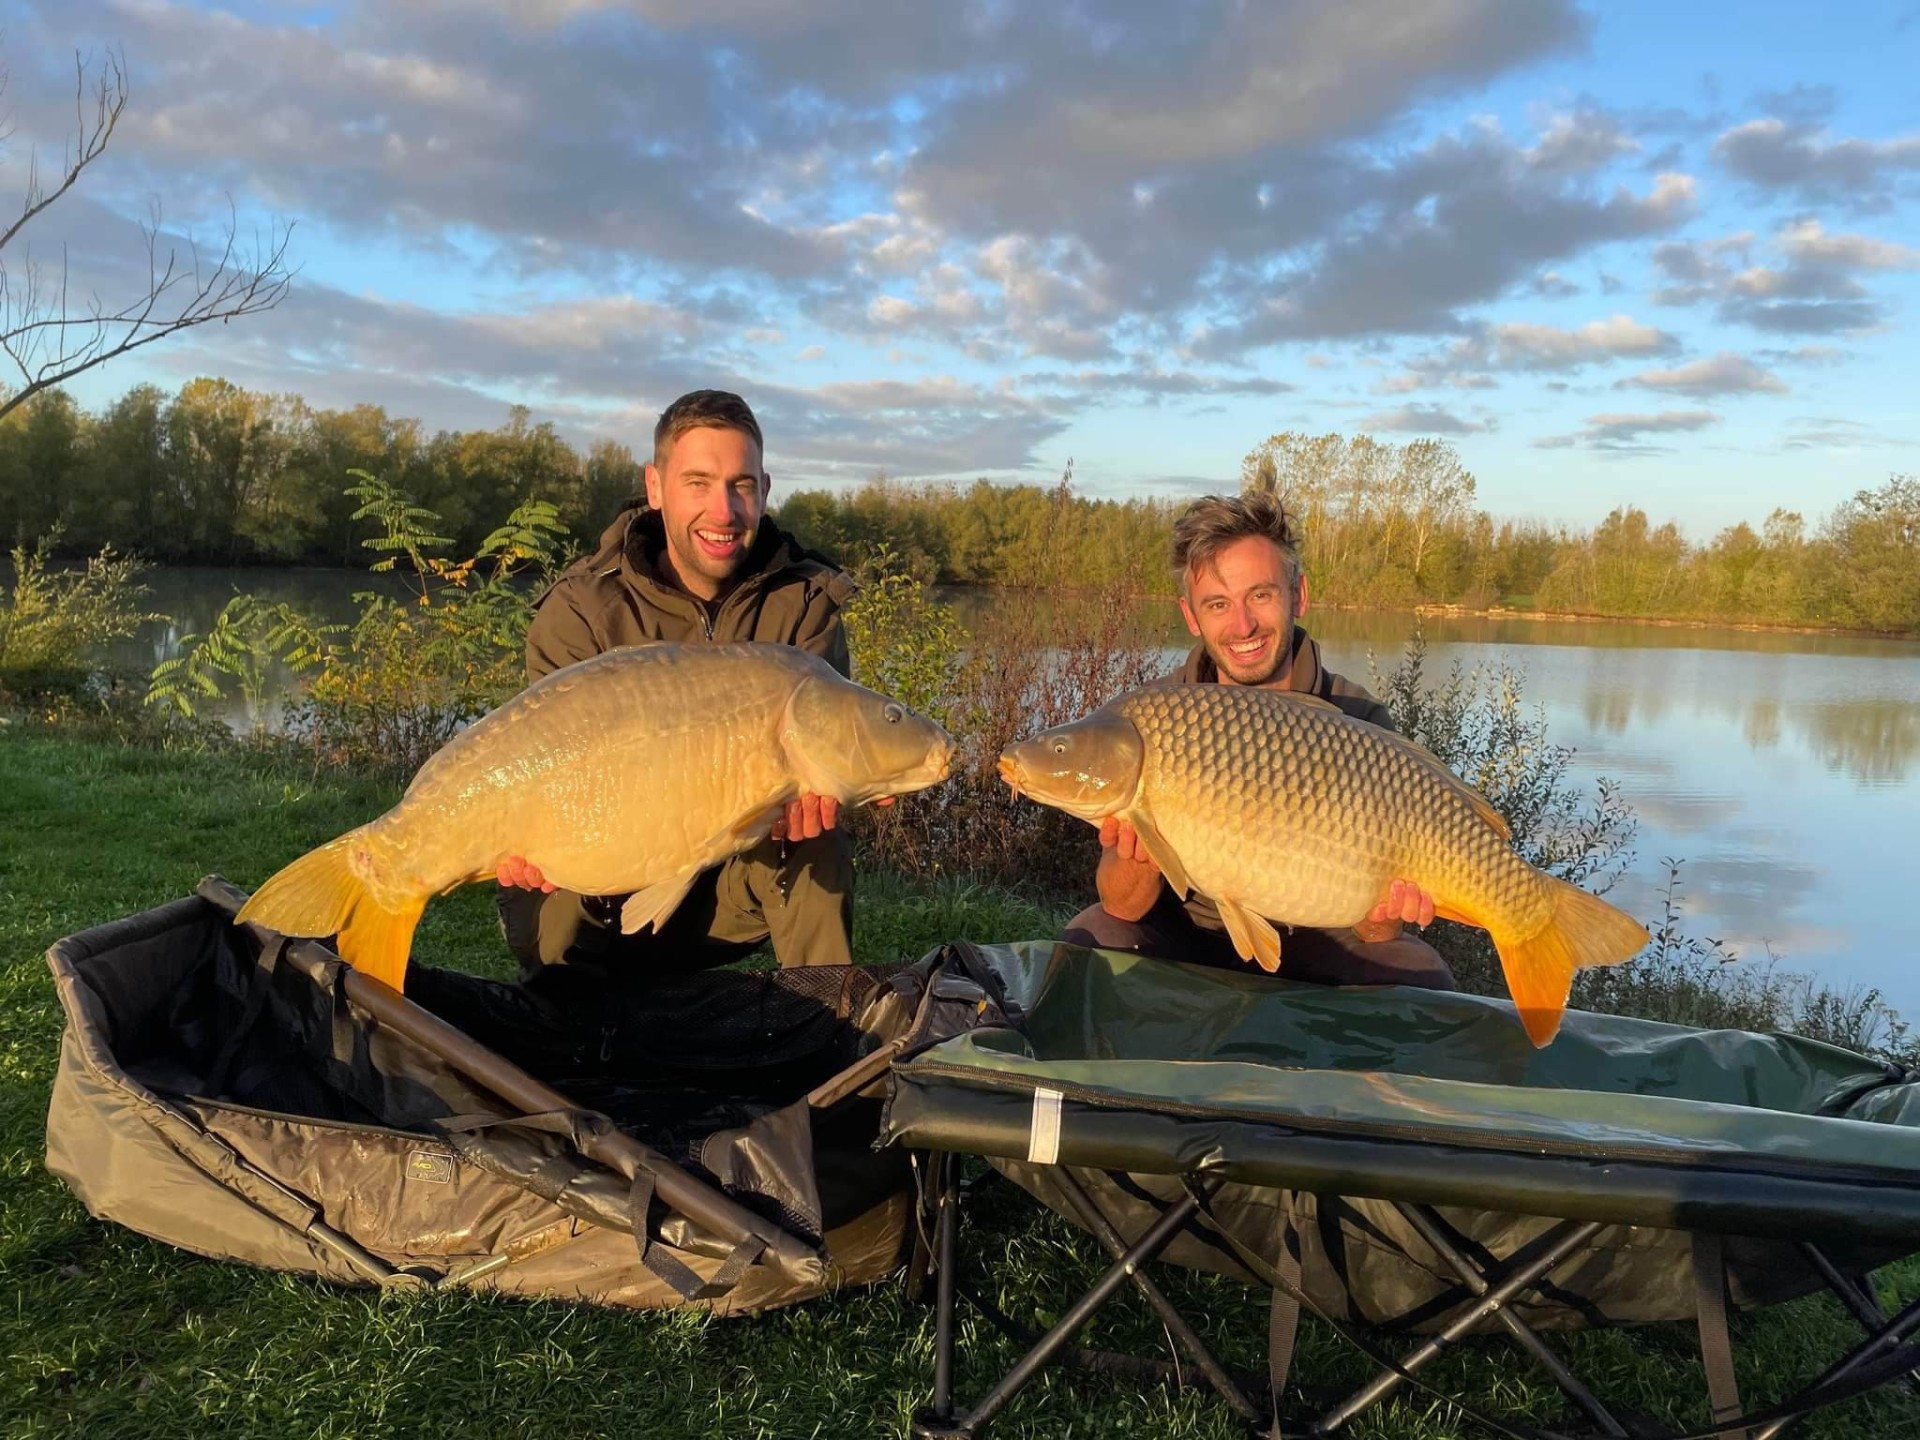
(104, 1333)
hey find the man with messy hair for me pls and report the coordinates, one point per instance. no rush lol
(1236, 561)
(697, 562)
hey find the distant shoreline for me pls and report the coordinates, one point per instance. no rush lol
(1448, 611)
(1660, 621)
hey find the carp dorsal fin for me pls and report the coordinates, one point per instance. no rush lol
(1163, 854)
(1253, 935)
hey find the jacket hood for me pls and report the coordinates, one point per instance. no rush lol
(636, 538)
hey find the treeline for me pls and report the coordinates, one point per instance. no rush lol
(1396, 525)
(216, 474)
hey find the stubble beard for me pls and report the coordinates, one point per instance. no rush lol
(1224, 662)
(691, 559)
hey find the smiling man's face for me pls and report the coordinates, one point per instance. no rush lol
(711, 494)
(1243, 610)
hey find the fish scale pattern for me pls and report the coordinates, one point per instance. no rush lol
(1296, 811)
(616, 770)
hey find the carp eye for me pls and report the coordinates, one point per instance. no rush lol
(895, 712)
(1059, 747)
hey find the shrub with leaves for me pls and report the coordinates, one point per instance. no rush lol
(412, 672)
(250, 638)
(905, 643)
(388, 690)
(52, 622)
(1039, 660)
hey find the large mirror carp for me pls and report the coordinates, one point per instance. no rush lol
(630, 772)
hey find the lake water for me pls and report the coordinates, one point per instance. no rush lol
(1782, 769)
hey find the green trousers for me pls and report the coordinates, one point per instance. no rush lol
(799, 894)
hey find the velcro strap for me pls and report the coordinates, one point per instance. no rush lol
(684, 1279)
(1283, 1320)
(553, 1176)
(1716, 1347)
(1043, 1139)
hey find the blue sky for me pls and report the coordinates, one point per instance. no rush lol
(1661, 255)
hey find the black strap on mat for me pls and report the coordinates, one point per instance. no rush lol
(1283, 1321)
(1716, 1346)
(671, 1268)
(972, 962)
(259, 986)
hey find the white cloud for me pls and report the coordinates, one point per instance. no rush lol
(1722, 374)
(1422, 420)
(1809, 240)
(1626, 432)
(1801, 158)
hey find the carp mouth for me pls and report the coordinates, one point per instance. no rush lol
(1010, 772)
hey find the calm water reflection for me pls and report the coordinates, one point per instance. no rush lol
(1783, 769)
(1780, 768)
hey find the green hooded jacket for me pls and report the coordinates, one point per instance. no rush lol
(621, 595)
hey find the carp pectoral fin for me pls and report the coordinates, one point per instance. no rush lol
(1583, 930)
(655, 905)
(1253, 935)
(1163, 854)
(752, 830)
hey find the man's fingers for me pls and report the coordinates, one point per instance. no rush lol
(518, 871)
(1109, 833)
(885, 800)
(829, 812)
(1405, 902)
(803, 819)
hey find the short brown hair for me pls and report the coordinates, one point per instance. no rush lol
(697, 409)
(1210, 524)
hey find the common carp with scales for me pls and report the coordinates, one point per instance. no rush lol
(630, 772)
(1278, 807)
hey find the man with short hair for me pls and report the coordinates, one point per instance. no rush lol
(1236, 561)
(697, 563)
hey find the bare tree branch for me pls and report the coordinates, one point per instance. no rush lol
(48, 337)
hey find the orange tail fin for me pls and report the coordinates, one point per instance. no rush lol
(319, 895)
(1583, 930)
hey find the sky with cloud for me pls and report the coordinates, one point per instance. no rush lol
(1626, 253)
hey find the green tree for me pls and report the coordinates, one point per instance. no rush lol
(224, 456)
(1875, 538)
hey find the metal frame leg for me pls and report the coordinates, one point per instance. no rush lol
(1091, 1216)
(1435, 1232)
(936, 1420)
(1857, 1295)
(1563, 1240)
(1896, 1330)
(1051, 1345)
